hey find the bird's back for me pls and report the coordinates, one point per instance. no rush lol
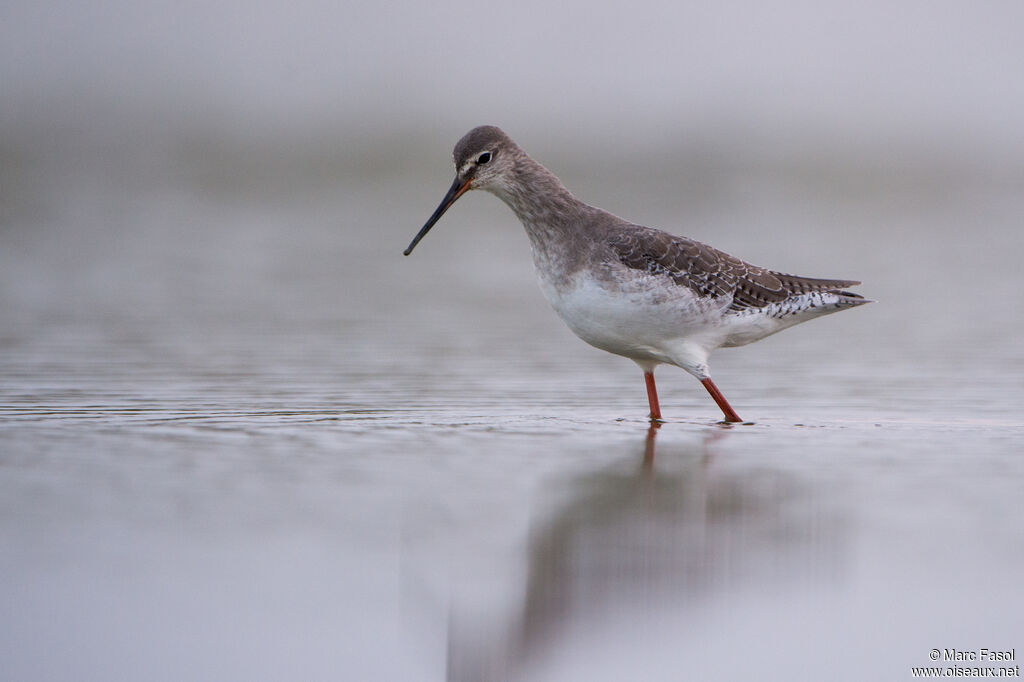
(754, 301)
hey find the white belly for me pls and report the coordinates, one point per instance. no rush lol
(639, 317)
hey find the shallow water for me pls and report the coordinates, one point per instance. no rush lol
(242, 437)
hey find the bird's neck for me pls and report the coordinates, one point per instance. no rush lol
(554, 219)
(546, 208)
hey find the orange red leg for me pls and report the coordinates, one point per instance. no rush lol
(652, 395)
(730, 414)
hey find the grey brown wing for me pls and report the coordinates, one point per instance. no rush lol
(711, 273)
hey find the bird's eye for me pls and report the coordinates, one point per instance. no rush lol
(483, 158)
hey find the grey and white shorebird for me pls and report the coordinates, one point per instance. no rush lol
(631, 290)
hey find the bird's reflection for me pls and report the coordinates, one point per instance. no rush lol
(652, 433)
(666, 532)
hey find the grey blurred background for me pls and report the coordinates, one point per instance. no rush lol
(935, 75)
(126, 127)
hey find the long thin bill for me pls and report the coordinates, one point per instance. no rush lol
(457, 189)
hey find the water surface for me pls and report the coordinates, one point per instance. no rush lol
(242, 437)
